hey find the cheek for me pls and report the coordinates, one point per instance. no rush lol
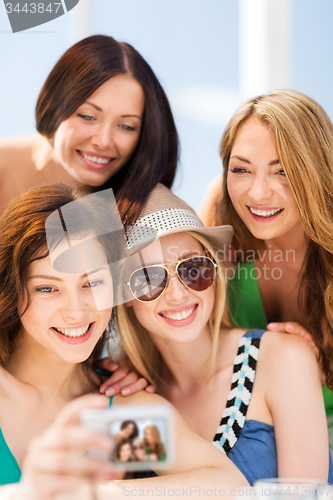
(144, 313)
(128, 146)
(232, 190)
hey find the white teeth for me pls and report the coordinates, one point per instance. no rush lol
(73, 332)
(264, 213)
(95, 159)
(180, 316)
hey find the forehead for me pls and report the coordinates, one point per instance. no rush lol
(84, 256)
(254, 134)
(120, 91)
(168, 249)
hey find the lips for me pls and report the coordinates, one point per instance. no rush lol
(73, 332)
(95, 160)
(75, 335)
(178, 316)
(181, 316)
(264, 213)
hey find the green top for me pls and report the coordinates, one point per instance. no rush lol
(245, 304)
(247, 311)
(10, 471)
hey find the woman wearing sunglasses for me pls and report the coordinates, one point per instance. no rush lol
(257, 397)
(56, 299)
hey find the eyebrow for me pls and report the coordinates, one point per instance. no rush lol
(123, 116)
(273, 162)
(55, 278)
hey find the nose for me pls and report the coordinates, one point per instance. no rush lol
(103, 136)
(74, 306)
(175, 291)
(261, 189)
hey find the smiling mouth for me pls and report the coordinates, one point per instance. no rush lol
(73, 332)
(96, 159)
(180, 316)
(265, 213)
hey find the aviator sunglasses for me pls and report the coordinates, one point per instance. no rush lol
(150, 282)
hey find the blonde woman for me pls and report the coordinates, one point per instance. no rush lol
(57, 296)
(154, 446)
(245, 391)
(277, 192)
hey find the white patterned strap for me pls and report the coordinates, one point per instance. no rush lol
(239, 397)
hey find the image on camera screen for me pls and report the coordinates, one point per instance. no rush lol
(140, 440)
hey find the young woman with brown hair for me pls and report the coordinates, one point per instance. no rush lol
(104, 121)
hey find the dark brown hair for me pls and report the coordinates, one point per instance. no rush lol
(135, 432)
(23, 240)
(77, 75)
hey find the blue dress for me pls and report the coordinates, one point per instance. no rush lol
(249, 444)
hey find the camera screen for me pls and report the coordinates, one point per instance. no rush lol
(140, 440)
(143, 435)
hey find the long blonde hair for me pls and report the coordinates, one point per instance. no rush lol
(304, 141)
(137, 342)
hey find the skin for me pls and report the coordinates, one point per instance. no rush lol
(139, 450)
(125, 452)
(175, 299)
(45, 373)
(149, 437)
(107, 126)
(287, 382)
(256, 180)
(129, 429)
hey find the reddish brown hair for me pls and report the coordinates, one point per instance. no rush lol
(23, 240)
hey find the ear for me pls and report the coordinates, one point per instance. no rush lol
(129, 304)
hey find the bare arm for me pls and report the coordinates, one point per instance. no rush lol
(294, 397)
(56, 466)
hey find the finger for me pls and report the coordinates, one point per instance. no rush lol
(115, 377)
(125, 382)
(64, 463)
(288, 327)
(279, 327)
(150, 389)
(108, 364)
(77, 439)
(71, 413)
(137, 386)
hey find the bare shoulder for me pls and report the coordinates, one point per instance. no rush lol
(140, 398)
(16, 149)
(282, 352)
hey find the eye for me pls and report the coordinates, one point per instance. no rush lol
(238, 170)
(127, 127)
(87, 118)
(281, 172)
(45, 289)
(94, 283)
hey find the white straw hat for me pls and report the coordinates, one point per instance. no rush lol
(164, 213)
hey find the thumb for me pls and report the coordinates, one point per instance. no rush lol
(71, 413)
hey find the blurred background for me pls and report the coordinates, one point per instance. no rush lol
(209, 56)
